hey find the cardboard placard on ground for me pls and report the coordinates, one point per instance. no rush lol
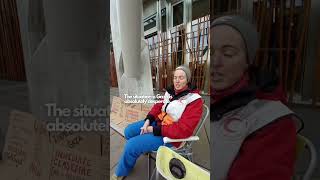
(26, 149)
(29, 155)
(17, 142)
(146, 107)
(69, 164)
(142, 115)
(88, 142)
(123, 124)
(118, 110)
(134, 106)
(132, 115)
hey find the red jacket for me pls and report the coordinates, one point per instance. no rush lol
(184, 127)
(268, 153)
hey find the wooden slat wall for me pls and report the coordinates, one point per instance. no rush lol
(284, 31)
(198, 57)
(168, 53)
(11, 53)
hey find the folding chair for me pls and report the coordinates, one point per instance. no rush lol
(304, 143)
(173, 166)
(185, 149)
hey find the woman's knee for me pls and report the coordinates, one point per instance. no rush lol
(128, 132)
(133, 129)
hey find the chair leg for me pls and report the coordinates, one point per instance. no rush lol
(153, 172)
(149, 165)
(157, 173)
(190, 157)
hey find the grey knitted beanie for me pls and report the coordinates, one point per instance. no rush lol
(247, 30)
(186, 70)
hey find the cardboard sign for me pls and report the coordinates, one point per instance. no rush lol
(132, 115)
(123, 112)
(143, 115)
(69, 164)
(118, 110)
(88, 142)
(134, 106)
(30, 153)
(38, 167)
(122, 126)
(27, 147)
(146, 108)
(17, 142)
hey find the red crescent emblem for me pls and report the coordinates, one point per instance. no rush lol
(228, 122)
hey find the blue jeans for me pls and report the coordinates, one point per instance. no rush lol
(136, 145)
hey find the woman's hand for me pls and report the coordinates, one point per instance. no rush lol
(144, 127)
(150, 129)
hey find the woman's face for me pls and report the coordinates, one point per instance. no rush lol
(228, 55)
(179, 79)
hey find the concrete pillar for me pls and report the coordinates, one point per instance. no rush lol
(69, 66)
(116, 42)
(169, 15)
(187, 19)
(187, 12)
(130, 14)
(22, 10)
(158, 17)
(169, 22)
(131, 50)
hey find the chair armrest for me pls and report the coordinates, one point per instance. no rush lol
(191, 138)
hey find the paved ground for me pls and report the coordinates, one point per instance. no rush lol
(14, 95)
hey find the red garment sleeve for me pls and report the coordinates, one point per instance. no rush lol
(155, 110)
(187, 123)
(267, 154)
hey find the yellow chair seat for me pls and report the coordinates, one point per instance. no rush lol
(193, 172)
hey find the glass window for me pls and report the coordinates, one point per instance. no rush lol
(178, 14)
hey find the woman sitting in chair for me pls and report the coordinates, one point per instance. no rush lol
(253, 131)
(176, 117)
